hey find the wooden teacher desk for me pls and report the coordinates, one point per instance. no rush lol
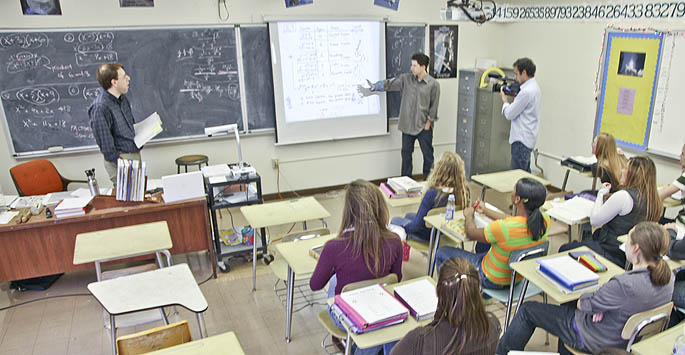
(46, 246)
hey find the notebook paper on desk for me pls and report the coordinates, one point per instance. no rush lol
(419, 297)
(573, 210)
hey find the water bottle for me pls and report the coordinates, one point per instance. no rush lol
(679, 346)
(449, 209)
(92, 182)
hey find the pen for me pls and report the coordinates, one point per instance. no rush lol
(476, 204)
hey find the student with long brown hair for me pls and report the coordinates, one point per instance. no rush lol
(447, 177)
(609, 161)
(460, 324)
(364, 248)
(595, 323)
(637, 201)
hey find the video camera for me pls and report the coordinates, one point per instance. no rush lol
(510, 85)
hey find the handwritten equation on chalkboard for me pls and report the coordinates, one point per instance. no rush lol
(401, 43)
(47, 81)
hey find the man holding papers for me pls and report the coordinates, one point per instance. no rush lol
(111, 118)
(596, 322)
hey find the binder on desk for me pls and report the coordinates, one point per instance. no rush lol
(583, 164)
(371, 307)
(419, 297)
(567, 272)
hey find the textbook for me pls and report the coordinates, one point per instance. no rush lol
(567, 272)
(370, 307)
(392, 193)
(404, 184)
(72, 206)
(419, 297)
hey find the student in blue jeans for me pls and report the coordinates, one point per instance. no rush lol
(446, 177)
(363, 250)
(596, 322)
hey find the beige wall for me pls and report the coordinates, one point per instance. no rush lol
(566, 55)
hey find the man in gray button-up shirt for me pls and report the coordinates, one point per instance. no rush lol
(418, 111)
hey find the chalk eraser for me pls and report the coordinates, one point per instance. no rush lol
(57, 148)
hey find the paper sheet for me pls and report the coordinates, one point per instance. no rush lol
(6, 200)
(7, 216)
(26, 201)
(147, 129)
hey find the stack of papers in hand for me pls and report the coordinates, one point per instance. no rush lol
(370, 308)
(566, 272)
(572, 211)
(404, 184)
(72, 206)
(419, 297)
(147, 129)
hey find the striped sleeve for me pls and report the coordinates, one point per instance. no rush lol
(680, 182)
(493, 232)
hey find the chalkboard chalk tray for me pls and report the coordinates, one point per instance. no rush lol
(189, 76)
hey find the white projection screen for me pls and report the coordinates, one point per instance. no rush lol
(317, 67)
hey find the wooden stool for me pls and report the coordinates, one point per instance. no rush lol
(195, 159)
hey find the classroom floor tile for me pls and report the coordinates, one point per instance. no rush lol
(74, 324)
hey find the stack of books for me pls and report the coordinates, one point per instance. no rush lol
(401, 187)
(572, 211)
(73, 206)
(567, 274)
(455, 228)
(369, 308)
(580, 163)
(419, 297)
(131, 180)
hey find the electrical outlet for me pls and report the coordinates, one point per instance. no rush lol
(274, 163)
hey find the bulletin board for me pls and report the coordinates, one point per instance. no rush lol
(629, 73)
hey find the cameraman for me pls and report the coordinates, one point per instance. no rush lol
(524, 114)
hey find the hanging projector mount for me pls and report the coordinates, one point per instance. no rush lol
(474, 10)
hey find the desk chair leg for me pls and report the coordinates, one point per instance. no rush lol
(522, 295)
(435, 252)
(113, 332)
(323, 223)
(482, 193)
(289, 304)
(348, 344)
(570, 233)
(544, 299)
(201, 324)
(511, 299)
(165, 320)
(430, 252)
(254, 261)
(563, 185)
(304, 225)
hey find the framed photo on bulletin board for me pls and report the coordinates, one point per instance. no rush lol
(443, 51)
(628, 86)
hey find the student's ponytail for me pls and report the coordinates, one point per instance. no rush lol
(653, 241)
(533, 195)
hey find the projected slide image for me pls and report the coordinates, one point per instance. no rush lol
(631, 63)
(322, 63)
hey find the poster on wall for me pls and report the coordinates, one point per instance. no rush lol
(443, 51)
(41, 7)
(390, 4)
(292, 3)
(628, 86)
(136, 3)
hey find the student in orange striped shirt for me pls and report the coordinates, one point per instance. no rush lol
(496, 241)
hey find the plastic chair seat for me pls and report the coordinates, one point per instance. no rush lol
(327, 322)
